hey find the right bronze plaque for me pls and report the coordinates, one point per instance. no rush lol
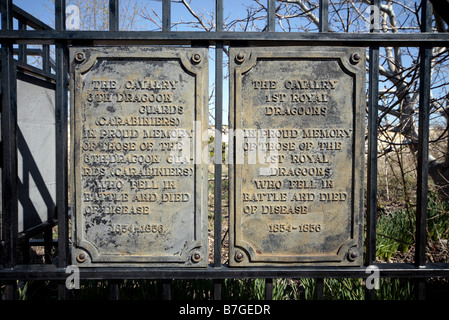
(296, 175)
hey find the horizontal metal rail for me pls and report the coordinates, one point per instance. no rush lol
(386, 270)
(210, 38)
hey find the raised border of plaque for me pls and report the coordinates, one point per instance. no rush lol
(296, 180)
(138, 186)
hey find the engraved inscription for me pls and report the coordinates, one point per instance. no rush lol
(297, 118)
(137, 187)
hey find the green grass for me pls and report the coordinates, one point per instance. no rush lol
(396, 231)
(395, 234)
(232, 289)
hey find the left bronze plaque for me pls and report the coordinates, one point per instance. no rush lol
(138, 188)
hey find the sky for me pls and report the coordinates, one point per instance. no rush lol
(44, 9)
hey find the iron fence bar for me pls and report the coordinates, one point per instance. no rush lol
(114, 290)
(61, 138)
(323, 27)
(218, 169)
(386, 270)
(46, 58)
(9, 144)
(253, 38)
(269, 289)
(373, 109)
(166, 289)
(319, 289)
(22, 47)
(324, 16)
(114, 10)
(373, 102)
(48, 244)
(9, 237)
(166, 15)
(271, 15)
(217, 289)
(114, 26)
(218, 15)
(423, 138)
(420, 289)
(218, 141)
(166, 27)
(61, 114)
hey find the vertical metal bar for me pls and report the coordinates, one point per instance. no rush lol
(61, 138)
(48, 239)
(219, 15)
(113, 15)
(218, 142)
(370, 294)
(271, 15)
(373, 101)
(217, 289)
(373, 108)
(61, 101)
(114, 290)
(9, 141)
(60, 15)
(423, 139)
(269, 289)
(319, 289)
(114, 26)
(166, 290)
(48, 234)
(324, 16)
(6, 11)
(166, 15)
(46, 58)
(420, 289)
(9, 152)
(22, 47)
(218, 169)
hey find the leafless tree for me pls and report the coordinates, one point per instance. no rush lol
(399, 67)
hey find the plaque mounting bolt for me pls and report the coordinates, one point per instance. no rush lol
(352, 255)
(239, 256)
(240, 57)
(80, 57)
(196, 257)
(81, 257)
(196, 58)
(355, 58)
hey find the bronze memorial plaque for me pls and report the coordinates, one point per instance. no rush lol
(138, 187)
(296, 180)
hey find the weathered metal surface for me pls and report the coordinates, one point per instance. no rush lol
(296, 182)
(139, 191)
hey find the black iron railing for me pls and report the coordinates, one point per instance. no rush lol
(14, 44)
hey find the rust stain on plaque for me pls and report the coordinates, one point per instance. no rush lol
(138, 191)
(296, 193)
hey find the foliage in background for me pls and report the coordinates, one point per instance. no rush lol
(396, 230)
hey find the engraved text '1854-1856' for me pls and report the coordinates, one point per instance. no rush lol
(138, 194)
